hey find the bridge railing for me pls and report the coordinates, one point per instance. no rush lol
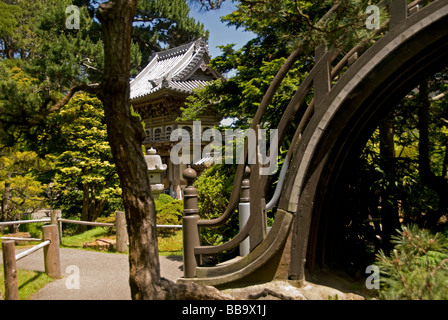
(330, 66)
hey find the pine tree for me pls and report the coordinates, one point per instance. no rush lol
(85, 176)
(417, 268)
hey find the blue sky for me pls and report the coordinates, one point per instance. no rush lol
(220, 34)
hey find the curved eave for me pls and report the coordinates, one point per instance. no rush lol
(160, 93)
(182, 87)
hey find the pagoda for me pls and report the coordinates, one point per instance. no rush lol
(157, 95)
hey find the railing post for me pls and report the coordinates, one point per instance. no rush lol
(398, 12)
(52, 259)
(122, 233)
(54, 216)
(10, 270)
(322, 82)
(244, 211)
(190, 224)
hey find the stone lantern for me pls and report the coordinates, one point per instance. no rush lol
(155, 168)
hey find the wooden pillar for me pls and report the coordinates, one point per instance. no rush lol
(190, 224)
(322, 82)
(52, 259)
(10, 270)
(122, 234)
(302, 238)
(54, 215)
(244, 211)
(398, 12)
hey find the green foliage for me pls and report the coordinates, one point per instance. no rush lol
(163, 24)
(29, 282)
(169, 210)
(417, 268)
(18, 99)
(84, 172)
(35, 39)
(298, 23)
(20, 190)
(8, 19)
(280, 27)
(214, 189)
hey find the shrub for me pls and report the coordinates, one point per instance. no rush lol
(417, 268)
(214, 189)
(169, 212)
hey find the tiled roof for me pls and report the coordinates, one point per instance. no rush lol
(172, 69)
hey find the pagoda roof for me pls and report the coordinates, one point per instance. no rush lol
(180, 69)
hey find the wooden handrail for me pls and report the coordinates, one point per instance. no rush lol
(31, 250)
(288, 115)
(87, 223)
(10, 223)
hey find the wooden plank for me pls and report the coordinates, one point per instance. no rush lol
(398, 12)
(322, 80)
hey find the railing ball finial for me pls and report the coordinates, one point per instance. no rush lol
(190, 175)
(245, 187)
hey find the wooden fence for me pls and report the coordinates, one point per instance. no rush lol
(120, 224)
(51, 237)
(50, 244)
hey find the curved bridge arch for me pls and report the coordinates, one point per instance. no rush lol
(348, 115)
(336, 124)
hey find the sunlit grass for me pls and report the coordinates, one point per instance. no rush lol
(170, 243)
(77, 240)
(29, 282)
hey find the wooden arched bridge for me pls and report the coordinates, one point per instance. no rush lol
(352, 93)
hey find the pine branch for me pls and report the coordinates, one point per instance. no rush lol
(93, 89)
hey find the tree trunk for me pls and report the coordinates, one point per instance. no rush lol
(389, 207)
(5, 201)
(98, 209)
(125, 134)
(85, 207)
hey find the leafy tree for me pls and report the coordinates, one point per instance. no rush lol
(82, 158)
(17, 101)
(61, 73)
(280, 28)
(63, 61)
(125, 133)
(160, 24)
(417, 166)
(20, 191)
(8, 23)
